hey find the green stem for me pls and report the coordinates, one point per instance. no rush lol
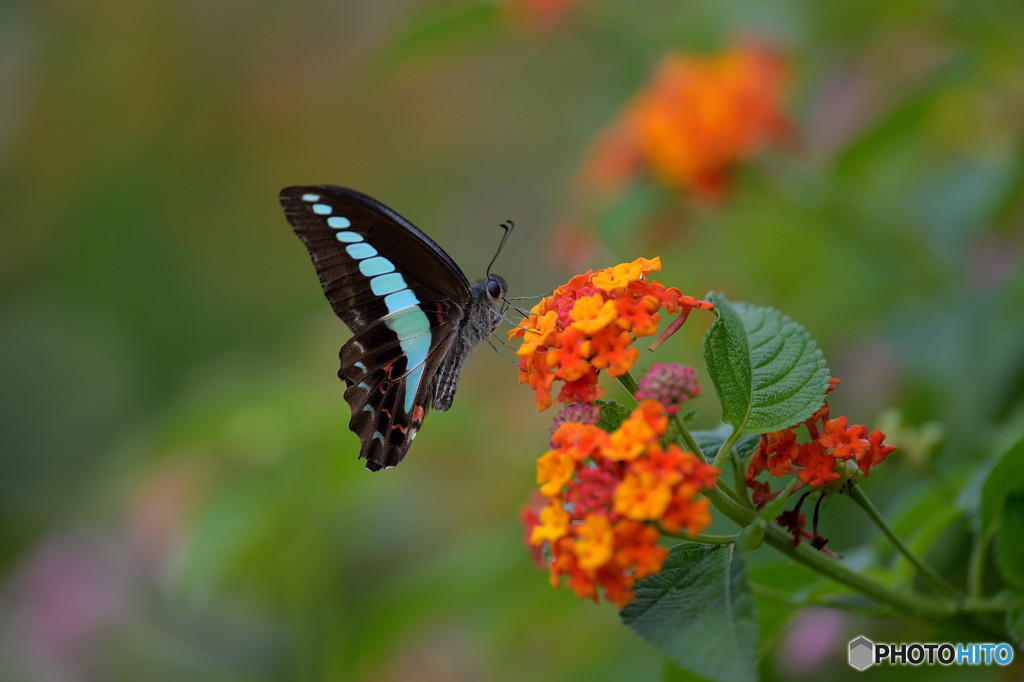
(988, 605)
(705, 538)
(784, 597)
(739, 476)
(927, 573)
(629, 383)
(976, 564)
(904, 600)
(727, 446)
(684, 434)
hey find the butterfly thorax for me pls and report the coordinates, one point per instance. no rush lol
(482, 317)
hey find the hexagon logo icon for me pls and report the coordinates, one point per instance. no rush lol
(862, 653)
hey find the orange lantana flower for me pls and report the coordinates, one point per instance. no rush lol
(599, 526)
(588, 325)
(697, 117)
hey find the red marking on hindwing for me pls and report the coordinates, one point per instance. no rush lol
(440, 313)
(403, 429)
(417, 413)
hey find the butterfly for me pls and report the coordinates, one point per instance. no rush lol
(414, 316)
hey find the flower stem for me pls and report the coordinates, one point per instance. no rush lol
(784, 597)
(727, 446)
(927, 573)
(976, 564)
(904, 600)
(684, 434)
(629, 383)
(706, 539)
(739, 477)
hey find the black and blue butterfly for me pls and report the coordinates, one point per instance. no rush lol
(414, 316)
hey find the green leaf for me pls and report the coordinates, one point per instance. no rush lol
(752, 537)
(1015, 624)
(699, 611)
(1005, 479)
(671, 672)
(612, 414)
(766, 368)
(711, 440)
(443, 28)
(1010, 541)
(772, 510)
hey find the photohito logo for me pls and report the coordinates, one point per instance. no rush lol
(864, 653)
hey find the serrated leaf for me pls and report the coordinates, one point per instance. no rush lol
(1006, 478)
(612, 414)
(766, 368)
(699, 611)
(1010, 541)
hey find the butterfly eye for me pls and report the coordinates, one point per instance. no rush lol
(493, 289)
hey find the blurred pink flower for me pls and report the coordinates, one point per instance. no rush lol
(815, 636)
(62, 595)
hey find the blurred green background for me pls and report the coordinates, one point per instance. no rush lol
(179, 494)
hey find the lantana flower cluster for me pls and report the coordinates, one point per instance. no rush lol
(699, 115)
(588, 325)
(608, 497)
(836, 448)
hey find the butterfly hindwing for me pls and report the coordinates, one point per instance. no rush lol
(390, 378)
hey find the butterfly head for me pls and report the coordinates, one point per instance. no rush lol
(486, 307)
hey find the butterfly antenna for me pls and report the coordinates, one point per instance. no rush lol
(509, 226)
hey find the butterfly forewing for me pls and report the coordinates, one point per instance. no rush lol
(401, 295)
(362, 251)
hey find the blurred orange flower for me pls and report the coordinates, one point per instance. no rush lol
(696, 118)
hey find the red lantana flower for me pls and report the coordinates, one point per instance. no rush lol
(607, 494)
(821, 460)
(588, 325)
